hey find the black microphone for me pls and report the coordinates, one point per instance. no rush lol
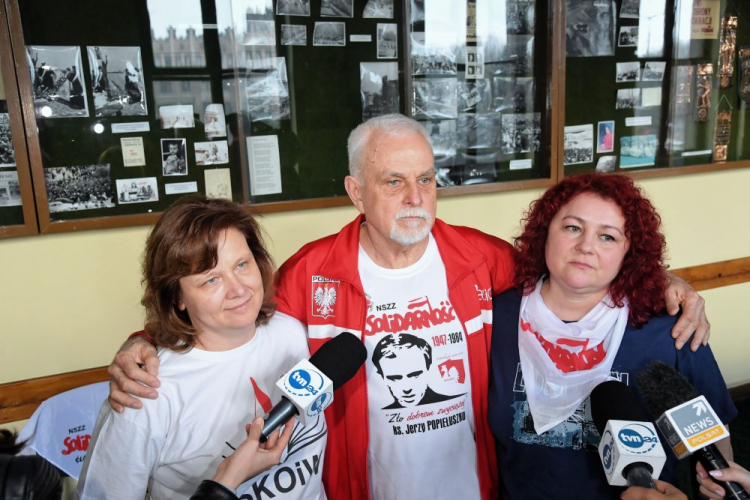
(686, 419)
(307, 389)
(629, 448)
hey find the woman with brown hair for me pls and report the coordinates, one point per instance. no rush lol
(208, 297)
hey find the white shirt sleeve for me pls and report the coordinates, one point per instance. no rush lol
(120, 460)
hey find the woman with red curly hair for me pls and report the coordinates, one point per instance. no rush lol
(589, 306)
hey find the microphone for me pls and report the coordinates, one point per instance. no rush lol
(686, 419)
(307, 389)
(629, 449)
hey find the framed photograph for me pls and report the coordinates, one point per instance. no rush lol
(7, 153)
(628, 36)
(378, 84)
(57, 81)
(382, 9)
(434, 98)
(654, 71)
(513, 93)
(10, 192)
(521, 133)
(474, 96)
(638, 150)
(173, 157)
(78, 188)
(628, 98)
(630, 9)
(387, 41)
(329, 35)
(214, 121)
(605, 139)
(478, 131)
(293, 34)
(292, 8)
(177, 116)
(590, 28)
(579, 144)
(430, 61)
(141, 190)
(211, 153)
(260, 33)
(336, 8)
(517, 58)
(606, 164)
(117, 81)
(628, 72)
(267, 90)
(520, 17)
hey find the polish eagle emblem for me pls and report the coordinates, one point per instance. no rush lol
(325, 299)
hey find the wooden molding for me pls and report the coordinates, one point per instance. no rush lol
(18, 400)
(716, 274)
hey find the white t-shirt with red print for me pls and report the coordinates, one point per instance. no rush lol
(419, 392)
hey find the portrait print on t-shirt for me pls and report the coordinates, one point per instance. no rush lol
(403, 360)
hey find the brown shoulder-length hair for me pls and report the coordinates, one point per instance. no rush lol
(185, 242)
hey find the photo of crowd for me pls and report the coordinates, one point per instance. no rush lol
(78, 188)
(7, 156)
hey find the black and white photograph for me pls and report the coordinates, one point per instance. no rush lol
(628, 36)
(431, 60)
(579, 144)
(117, 81)
(336, 8)
(7, 154)
(474, 65)
(174, 157)
(379, 88)
(267, 90)
(260, 33)
(177, 116)
(434, 98)
(638, 150)
(141, 190)
(381, 9)
(214, 120)
(292, 8)
(57, 81)
(520, 16)
(293, 34)
(654, 71)
(387, 41)
(631, 9)
(444, 143)
(10, 191)
(518, 56)
(628, 72)
(478, 131)
(474, 96)
(211, 153)
(513, 93)
(329, 35)
(78, 188)
(606, 164)
(590, 28)
(478, 167)
(521, 133)
(417, 11)
(628, 98)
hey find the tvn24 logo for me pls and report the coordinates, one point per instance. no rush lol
(304, 382)
(638, 438)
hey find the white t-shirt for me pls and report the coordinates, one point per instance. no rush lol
(167, 448)
(421, 420)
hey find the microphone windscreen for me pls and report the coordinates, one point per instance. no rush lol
(613, 400)
(663, 388)
(340, 358)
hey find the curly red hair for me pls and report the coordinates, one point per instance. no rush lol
(642, 278)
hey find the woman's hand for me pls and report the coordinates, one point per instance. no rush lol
(732, 473)
(126, 376)
(251, 458)
(663, 491)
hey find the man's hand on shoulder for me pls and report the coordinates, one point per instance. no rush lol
(133, 373)
(693, 317)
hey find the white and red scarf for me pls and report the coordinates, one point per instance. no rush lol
(563, 362)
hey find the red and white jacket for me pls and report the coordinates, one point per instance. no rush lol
(477, 267)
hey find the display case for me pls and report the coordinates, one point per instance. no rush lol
(665, 89)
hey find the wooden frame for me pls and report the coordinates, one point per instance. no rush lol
(29, 227)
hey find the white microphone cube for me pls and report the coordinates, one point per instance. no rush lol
(308, 389)
(626, 442)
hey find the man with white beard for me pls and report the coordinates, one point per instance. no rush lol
(395, 269)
